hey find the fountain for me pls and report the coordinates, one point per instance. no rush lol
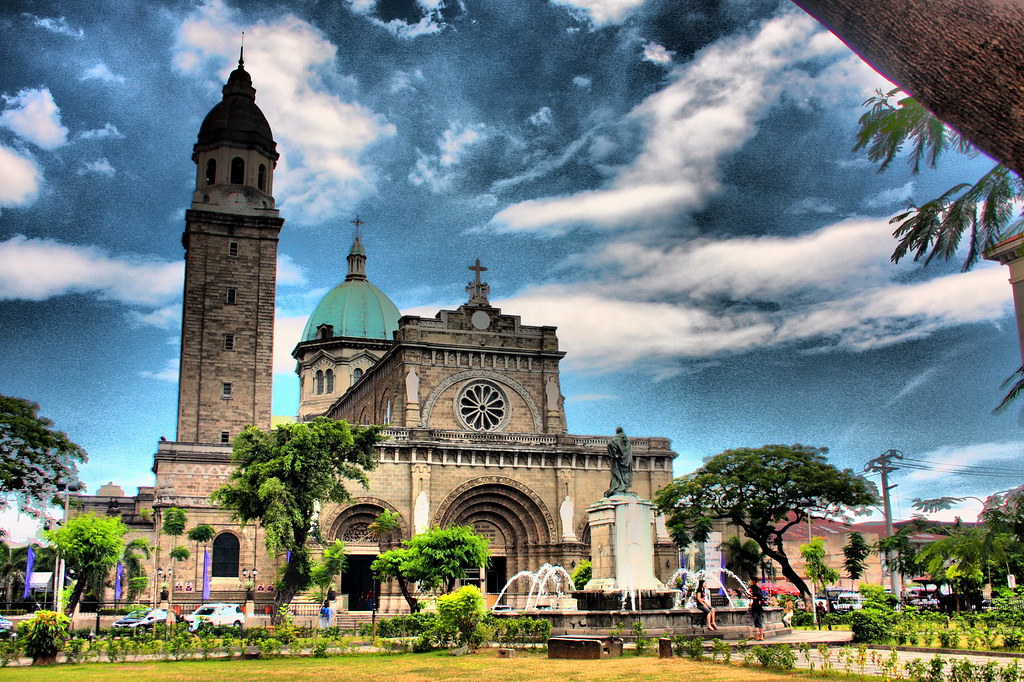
(539, 580)
(624, 589)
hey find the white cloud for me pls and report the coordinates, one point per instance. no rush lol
(109, 130)
(541, 117)
(709, 110)
(912, 384)
(34, 116)
(58, 25)
(38, 269)
(168, 373)
(590, 397)
(430, 23)
(437, 171)
(600, 12)
(287, 333)
(648, 306)
(402, 81)
(21, 178)
(653, 52)
(949, 458)
(322, 173)
(886, 198)
(167, 317)
(99, 167)
(101, 72)
(581, 81)
(811, 205)
(289, 273)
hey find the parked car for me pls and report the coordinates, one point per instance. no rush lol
(141, 618)
(848, 601)
(6, 624)
(216, 614)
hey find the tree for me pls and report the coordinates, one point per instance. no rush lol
(855, 554)
(743, 557)
(35, 460)
(983, 212)
(134, 568)
(91, 545)
(820, 573)
(323, 572)
(282, 476)
(434, 559)
(202, 533)
(965, 557)
(765, 491)
(386, 525)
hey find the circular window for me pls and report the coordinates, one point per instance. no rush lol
(482, 406)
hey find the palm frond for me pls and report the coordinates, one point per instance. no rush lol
(1016, 390)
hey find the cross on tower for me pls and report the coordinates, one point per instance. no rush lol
(476, 289)
(357, 222)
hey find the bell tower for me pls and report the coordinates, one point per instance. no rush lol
(230, 240)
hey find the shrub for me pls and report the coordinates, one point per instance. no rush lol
(459, 614)
(1013, 638)
(405, 626)
(582, 574)
(320, 648)
(803, 619)
(43, 635)
(642, 643)
(872, 626)
(270, 648)
(10, 651)
(694, 648)
(875, 597)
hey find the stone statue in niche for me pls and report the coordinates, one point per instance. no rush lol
(412, 386)
(621, 453)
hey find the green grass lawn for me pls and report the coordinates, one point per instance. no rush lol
(482, 667)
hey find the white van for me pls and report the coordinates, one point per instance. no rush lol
(848, 601)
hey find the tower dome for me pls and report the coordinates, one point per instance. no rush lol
(236, 119)
(354, 308)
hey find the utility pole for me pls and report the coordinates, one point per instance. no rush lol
(883, 464)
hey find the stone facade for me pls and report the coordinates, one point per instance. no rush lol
(475, 430)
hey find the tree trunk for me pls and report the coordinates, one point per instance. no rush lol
(961, 60)
(76, 595)
(411, 600)
(787, 570)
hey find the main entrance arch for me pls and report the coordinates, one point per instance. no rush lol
(510, 515)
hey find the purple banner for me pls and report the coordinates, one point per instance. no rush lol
(206, 574)
(30, 563)
(119, 574)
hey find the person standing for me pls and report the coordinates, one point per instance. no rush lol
(703, 603)
(757, 609)
(326, 614)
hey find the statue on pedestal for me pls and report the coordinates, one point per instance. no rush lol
(621, 453)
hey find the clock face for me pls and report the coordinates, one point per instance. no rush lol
(481, 320)
(236, 198)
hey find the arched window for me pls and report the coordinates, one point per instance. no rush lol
(225, 556)
(329, 376)
(319, 381)
(356, 375)
(237, 171)
(211, 171)
(261, 178)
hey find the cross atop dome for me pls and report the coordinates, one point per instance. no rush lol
(476, 289)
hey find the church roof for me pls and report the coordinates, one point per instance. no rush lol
(355, 307)
(237, 119)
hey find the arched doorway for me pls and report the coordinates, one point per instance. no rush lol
(357, 581)
(511, 516)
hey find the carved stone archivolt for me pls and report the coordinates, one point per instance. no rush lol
(362, 510)
(497, 377)
(509, 505)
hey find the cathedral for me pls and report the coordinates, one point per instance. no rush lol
(474, 424)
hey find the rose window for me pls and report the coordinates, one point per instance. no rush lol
(482, 406)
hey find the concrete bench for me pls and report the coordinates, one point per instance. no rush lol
(584, 647)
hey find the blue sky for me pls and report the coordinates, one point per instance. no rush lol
(671, 184)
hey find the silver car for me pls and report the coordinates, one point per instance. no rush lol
(141, 618)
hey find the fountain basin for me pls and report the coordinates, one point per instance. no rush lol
(598, 600)
(733, 623)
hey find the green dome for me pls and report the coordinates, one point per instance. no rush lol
(355, 308)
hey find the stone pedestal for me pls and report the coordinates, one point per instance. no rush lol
(622, 544)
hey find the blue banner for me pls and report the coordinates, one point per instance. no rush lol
(30, 563)
(117, 581)
(206, 574)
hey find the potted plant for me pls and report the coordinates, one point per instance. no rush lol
(165, 591)
(249, 586)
